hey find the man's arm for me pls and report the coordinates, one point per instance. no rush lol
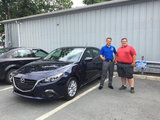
(134, 61)
(101, 54)
(115, 58)
(133, 53)
(103, 58)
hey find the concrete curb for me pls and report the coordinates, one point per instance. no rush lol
(145, 77)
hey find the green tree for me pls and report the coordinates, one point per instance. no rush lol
(93, 1)
(1, 28)
(19, 8)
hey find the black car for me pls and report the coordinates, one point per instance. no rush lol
(59, 74)
(12, 59)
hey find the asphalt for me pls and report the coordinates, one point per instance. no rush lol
(105, 104)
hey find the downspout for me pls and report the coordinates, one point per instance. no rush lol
(19, 38)
(6, 35)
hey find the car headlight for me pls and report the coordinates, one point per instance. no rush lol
(52, 78)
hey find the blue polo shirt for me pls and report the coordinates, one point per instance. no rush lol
(107, 52)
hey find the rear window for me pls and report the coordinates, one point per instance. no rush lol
(22, 54)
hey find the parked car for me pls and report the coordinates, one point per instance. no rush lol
(13, 58)
(59, 74)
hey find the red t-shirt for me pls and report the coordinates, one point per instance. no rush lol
(125, 54)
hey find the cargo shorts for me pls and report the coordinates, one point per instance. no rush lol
(125, 70)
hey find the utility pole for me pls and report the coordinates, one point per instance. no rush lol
(9, 11)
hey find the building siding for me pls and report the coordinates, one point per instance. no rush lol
(137, 21)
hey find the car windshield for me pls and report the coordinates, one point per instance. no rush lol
(65, 54)
(4, 50)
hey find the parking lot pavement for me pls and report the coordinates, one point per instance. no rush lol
(109, 104)
(13, 107)
(105, 104)
(4, 86)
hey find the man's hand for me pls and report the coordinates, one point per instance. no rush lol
(133, 64)
(134, 61)
(115, 61)
(103, 58)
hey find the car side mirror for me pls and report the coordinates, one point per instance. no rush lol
(88, 59)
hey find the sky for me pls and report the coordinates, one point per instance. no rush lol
(77, 3)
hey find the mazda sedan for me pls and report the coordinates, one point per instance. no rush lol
(13, 58)
(60, 74)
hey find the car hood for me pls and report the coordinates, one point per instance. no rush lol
(42, 69)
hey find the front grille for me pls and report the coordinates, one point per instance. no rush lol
(24, 93)
(25, 85)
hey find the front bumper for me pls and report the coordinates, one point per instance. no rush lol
(44, 91)
(27, 96)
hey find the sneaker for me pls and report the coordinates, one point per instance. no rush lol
(122, 87)
(132, 90)
(100, 87)
(111, 87)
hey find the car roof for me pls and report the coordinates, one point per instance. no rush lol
(12, 49)
(15, 48)
(80, 47)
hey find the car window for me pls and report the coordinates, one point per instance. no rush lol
(54, 55)
(39, 53)
(87, 53)
(65, 54)
(95, 53)
(22, 54)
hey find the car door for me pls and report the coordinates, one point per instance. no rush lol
(88, 65)
(97, 62)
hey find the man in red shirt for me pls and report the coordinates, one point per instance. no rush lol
(126, 60)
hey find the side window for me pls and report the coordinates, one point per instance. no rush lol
(95, 53)
(39, 53)
(87, 53)
(22, 54)
(57, 53)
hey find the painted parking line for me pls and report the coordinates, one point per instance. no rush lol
(46, 115)
(8, 88)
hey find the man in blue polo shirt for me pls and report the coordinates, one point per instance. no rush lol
(106, 54)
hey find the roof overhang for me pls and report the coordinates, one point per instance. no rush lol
(74, 10)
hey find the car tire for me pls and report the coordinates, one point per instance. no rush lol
(71, 88)
(8, 79)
